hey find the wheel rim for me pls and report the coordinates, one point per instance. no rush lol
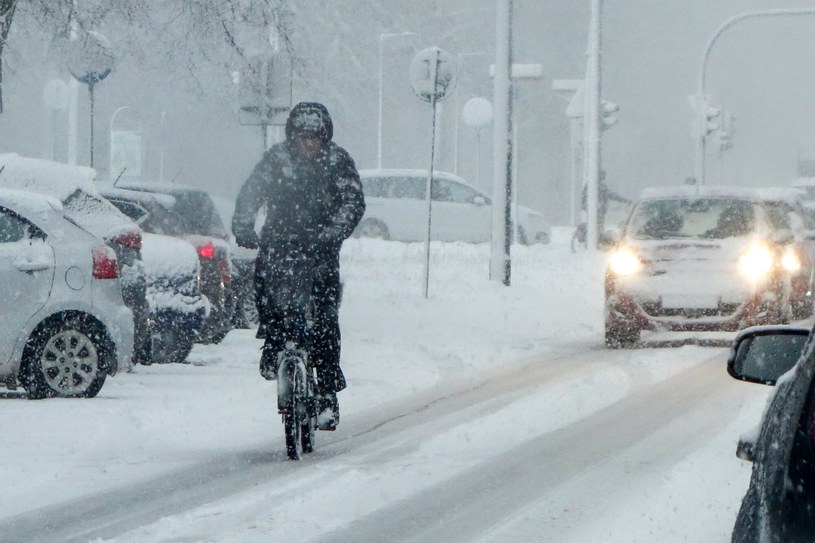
(70, 362)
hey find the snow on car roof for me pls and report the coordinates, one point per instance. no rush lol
(27, 201)
(45, 176)
(781, 194)
(690, 191)
(72, 185)
(804, 182)
(156, 186)
(166, 200)
(405, 172)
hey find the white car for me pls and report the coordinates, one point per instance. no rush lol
(64, 326)
(396, 209)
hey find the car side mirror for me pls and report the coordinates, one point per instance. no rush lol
(762, 354)
(479, 200)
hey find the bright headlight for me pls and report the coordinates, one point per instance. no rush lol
(625, 262)
(756, 262)
(790, 261)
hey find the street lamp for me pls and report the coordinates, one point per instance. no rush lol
(701, 98)
(382, 37)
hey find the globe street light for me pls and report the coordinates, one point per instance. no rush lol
(382, 37)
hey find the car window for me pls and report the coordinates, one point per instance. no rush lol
(409, 187)
(375, 187)
(707, 218)
(132, 210)
(442, 191)
(199, 214)
(12, 228)
(462, 194)
(97, 216)
(778, 215)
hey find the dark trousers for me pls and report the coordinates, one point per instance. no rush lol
(299, 301)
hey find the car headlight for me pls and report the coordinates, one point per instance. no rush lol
(756, 262)
(791, 261)
(624, 261)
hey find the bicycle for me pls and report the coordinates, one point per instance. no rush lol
(297, 400)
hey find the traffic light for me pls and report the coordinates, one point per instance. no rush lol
(608, 114)
(713, 119)
(724, 135)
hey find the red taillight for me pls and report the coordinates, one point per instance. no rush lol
(206, 250)
(104, 263)
(130, 239)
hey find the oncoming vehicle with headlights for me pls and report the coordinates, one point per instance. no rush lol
(695, 259)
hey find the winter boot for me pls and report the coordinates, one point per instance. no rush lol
(268, 363)
(328, 416)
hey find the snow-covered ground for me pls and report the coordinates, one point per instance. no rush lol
(398, 349)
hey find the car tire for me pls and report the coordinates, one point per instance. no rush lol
(48, 372)
(621, 337)
(172, 348)
(373, 228)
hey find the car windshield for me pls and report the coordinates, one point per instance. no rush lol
(704, 218)
(198, 214)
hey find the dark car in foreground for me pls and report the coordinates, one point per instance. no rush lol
(779, 505)
(189, 214)
(693, 260)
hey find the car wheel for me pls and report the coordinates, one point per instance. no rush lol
(620, 337)
(172, 348)
(67, 359)
(217, 337)
(373, 228)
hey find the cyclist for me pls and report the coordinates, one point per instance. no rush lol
(604, 195)
(310, 188)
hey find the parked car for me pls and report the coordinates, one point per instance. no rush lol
(779, 503)
(789, 221)
(396, 209)
(178, 310)
(691, 260)
(69, 328)
(82, 203)
(189, 214)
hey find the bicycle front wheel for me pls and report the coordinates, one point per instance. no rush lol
(298, 422)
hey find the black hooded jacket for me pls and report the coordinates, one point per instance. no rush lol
(311, 202)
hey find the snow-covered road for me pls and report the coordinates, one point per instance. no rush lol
(506, 423)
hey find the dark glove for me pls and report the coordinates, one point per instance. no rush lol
(248, 240)
(331, 235)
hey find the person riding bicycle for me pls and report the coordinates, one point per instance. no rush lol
(604, 195)
(313, 197)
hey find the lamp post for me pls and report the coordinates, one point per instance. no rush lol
(382, 38)
(701, 99)
(112, 143)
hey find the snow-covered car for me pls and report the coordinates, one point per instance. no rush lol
(787, 216)
(396, 209)
(178, 310)
(73, 186)
(779, 502)
(695, 260)
(187, 213)
(64, 326)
